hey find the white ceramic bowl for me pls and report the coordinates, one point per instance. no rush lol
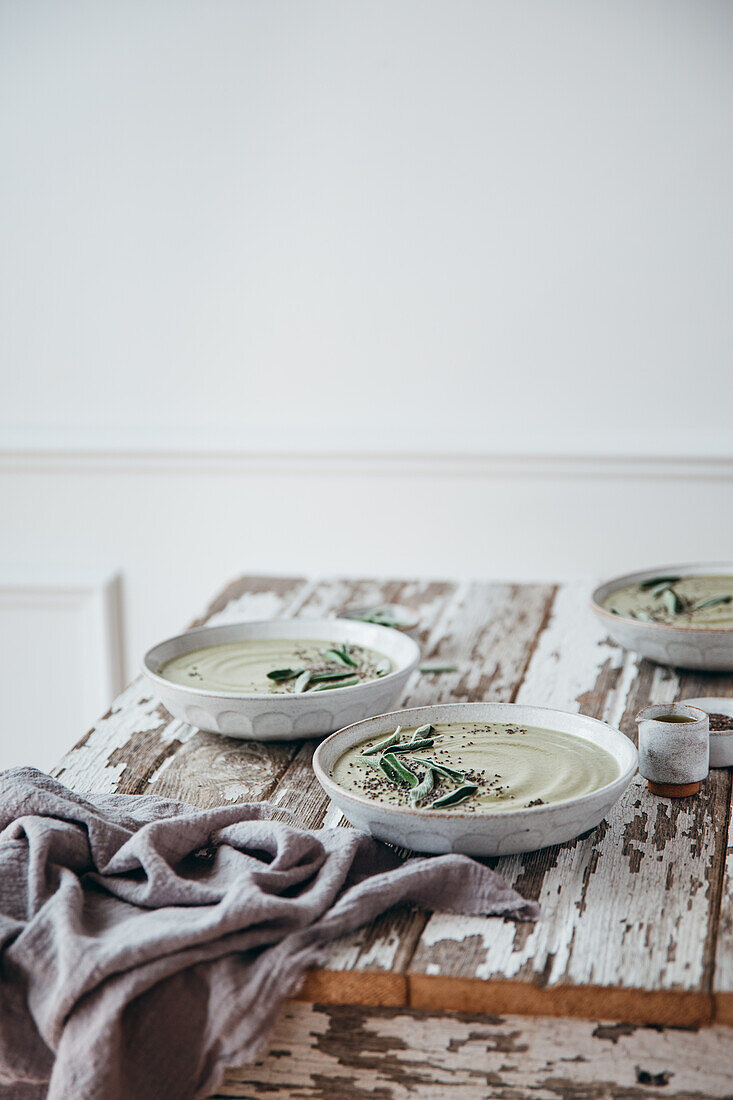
(680, 646)
(721, 741)
(478, 834)
(279, 717)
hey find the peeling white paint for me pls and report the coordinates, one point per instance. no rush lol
(318, 1052)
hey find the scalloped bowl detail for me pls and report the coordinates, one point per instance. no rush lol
(679, 646)
(281, 716)
(478, 834)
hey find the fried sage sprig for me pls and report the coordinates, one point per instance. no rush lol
(658, 589)
(382, 616)
(329, 685)
(413, 746)
(382, 746)
(711, 601)
(655, 582)
(303, 680)
(672, 601)
(279, 674)
(396, 771)
(316, 676)
(454, 797)
(441, 769)
(341, 655)
(424, 787)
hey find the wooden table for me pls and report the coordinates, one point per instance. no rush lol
(623, 988)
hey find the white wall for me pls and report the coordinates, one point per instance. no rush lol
(279, 281)
(499, 225)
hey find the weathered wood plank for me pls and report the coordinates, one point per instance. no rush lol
(722, 930)
(328, 1053)
(723, 968)
(627, 907)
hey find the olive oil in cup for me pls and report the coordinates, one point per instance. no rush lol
(674, 748)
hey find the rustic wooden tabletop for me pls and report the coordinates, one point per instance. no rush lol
(637, 915)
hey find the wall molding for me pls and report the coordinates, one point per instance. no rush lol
(230, 460)
(97, 598)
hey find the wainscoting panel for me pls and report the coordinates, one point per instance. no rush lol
(60, 659)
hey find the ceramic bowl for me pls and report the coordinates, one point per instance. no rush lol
(280, 717)
(680, 646)
(484, 834)
(721, 741)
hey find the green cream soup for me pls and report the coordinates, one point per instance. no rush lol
(704, 602)
(276, 666)
(495, 766)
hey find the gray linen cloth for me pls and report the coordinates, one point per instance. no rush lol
(146, 945)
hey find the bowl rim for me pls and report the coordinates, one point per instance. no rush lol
(727, 701)
(691, 568)
(199, 632)
(622, 780)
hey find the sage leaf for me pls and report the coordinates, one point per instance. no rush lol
(412, 746)
(654, 581)
(279, 674)
(395, 770)
(384, 615)
(303, 680)
(658, 589)
(329, 685)
(672, 601)
(712, 601)
(424, 787)
(382, 746)
(454, 797)
(441, 769)
(341, 655)
(329, 675)
(423, 731)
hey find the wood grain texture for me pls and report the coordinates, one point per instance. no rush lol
(320, 1052)
(638, 906)
(631, 906)
(722, 937)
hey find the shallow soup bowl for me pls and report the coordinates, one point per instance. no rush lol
(478, 833)
(682, 645)
(282, 716)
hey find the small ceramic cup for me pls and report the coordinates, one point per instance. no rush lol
(674, 755)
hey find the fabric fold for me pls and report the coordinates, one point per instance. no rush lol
(145, 945)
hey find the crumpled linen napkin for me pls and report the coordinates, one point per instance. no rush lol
(146, 945)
